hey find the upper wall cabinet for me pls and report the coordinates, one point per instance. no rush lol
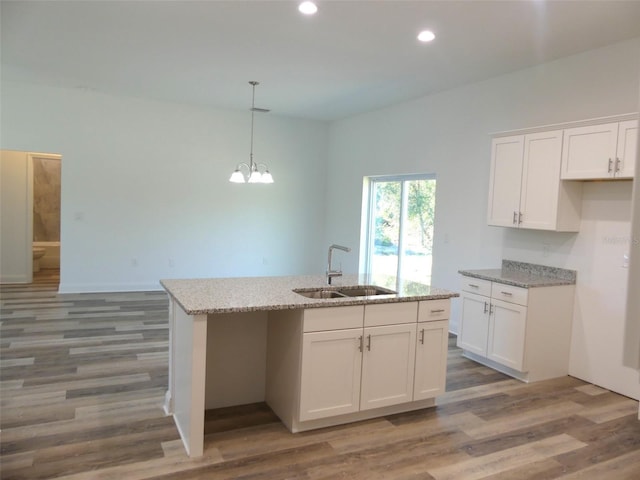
(525, 189)
(601, 151)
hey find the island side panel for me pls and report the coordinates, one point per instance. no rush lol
(168, 396)
(188, 378)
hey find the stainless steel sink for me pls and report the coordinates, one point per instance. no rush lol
(319, 293)
(344, 292)
(364, 291)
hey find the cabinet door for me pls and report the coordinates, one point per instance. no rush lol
(388, 365)
(541, 180)
(627, 148)
(331, 367)
(589, 152)
(431, 359)
(505, 181)
(507, 328)
(474, 323)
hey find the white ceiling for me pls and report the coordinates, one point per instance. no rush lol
(351, 57)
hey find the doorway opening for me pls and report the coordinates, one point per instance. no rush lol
(46, 202)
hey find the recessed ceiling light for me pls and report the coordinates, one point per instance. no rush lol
(426, 36)
(308, 8)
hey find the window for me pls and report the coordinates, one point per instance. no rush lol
(399, 226)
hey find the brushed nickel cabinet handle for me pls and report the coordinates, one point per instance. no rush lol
(422, 336)
(617, 168)
(473, 285)
(515, 217)
(509, 294)
(519, 218)
(485, 307)
(369, 342)
(609, 168)
(360, 340)
(439, 310)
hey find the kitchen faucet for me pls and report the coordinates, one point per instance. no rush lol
(334, 273)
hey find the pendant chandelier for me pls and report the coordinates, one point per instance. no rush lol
(255, 172)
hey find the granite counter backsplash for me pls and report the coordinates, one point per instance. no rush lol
(526, 275)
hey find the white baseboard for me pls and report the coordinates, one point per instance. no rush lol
(108, 287)
(15, 279)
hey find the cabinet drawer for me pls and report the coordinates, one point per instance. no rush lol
(390, 313)
(509, 293)
(333, 318)
(476, 285)
(429, 310)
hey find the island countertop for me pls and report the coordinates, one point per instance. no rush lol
(248, 294)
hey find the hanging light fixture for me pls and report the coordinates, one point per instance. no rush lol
(255, 172)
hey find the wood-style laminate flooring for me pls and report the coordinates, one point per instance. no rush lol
(83, 379)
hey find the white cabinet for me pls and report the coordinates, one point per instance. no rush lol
(432, 343)
(333, 365)
(507, 334)
(601, 151)
(474, 326)
(525, 190)
(330, 380)
(388, 365)
(524, 332)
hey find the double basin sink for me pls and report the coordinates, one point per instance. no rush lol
(344, 291)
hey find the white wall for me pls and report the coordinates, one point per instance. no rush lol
(16, 261)
(145, 194)
(448, 134)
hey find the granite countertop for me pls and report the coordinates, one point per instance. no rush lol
(247, 294)
(526, 275)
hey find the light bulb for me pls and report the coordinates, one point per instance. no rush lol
(426, 36)
(255, 177)
(308, 8)
(266, 177)
(237, 177)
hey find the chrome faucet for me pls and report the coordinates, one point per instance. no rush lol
(334, 273)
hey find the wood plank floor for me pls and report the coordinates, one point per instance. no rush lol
(83, 379)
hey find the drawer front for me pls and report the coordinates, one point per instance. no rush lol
(333, 318)
(509, 293)
(390, 313)
(430, 310)
(476, 285)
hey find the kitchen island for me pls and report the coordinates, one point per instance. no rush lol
(242, 340)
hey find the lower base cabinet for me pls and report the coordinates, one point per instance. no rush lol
(382, 358)
(388, 362)
(432, 346)
(525, 333)
(331, 370)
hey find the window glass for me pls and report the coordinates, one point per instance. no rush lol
(401, 219)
